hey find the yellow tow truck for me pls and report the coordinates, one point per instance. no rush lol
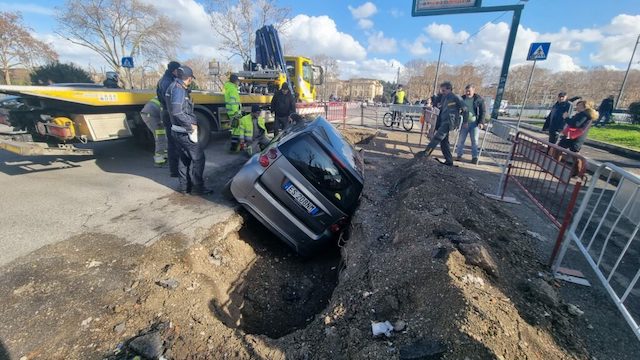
(55, 117)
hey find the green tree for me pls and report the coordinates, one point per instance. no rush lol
(59, 73)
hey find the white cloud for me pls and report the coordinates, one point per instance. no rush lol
(375, 68)
(322, 32)
(27, 8)
(417, 48)
(380, 44)
(198, 37)
(619, 39)
(363, 11)
(612, 67)
(444, 32)
(365, 24)
(396, 13)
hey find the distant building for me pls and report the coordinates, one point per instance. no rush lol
(354, 89)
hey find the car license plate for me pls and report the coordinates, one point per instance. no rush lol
(300, 198)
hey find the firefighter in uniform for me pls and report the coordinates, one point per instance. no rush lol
(232, 99)
(184, 129)
(251, 132)
(151, 115)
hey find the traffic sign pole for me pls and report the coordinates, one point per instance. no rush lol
(526, 94)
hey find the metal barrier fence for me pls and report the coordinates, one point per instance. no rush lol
(549, 175)
(497, 141)
(605, 230)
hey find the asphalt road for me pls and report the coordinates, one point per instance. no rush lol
(117, 191)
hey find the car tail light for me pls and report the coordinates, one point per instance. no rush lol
(272, 153)
(264, 161)
(339, 225)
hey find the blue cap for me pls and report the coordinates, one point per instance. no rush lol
(185, 71)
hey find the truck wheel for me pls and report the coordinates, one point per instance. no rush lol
(204, 129)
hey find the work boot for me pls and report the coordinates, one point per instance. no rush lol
(474, 161)
(423, 154)
(459, 158)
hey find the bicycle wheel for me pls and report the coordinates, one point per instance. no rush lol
(407, 122)
(387, 119)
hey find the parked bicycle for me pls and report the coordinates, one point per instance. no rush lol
(395, 118)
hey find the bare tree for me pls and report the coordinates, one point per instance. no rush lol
(236, 22)
(18, 48)
(117, 28)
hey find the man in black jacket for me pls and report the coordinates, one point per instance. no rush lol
(161, 89)
(605, 110)
(283, 104)
(554, 122)
(475, 121)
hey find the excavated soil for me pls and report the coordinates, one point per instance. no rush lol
(456, 274)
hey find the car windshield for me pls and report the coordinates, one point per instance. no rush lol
(322, 170)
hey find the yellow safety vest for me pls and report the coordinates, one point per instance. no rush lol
(231, 98)
(400, 94)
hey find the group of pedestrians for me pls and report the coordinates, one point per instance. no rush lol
(571, 131)
(170, 117)
(466, 112)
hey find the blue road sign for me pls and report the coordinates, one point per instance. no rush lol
(538, 51)
(127, 62)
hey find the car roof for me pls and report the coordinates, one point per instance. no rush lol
(343, 150)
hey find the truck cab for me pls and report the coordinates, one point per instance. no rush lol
(304, 77)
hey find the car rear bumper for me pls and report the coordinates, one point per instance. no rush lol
(277, 218)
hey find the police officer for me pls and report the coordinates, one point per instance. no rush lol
(232, 99)
(184, 130)
(161, 89)
(451, 106)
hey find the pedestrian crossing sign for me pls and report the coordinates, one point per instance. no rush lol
(127, 62)
(538, 51)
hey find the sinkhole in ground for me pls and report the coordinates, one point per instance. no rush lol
(279, 291)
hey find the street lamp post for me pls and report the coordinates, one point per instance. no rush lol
(624, 81)
(435, 80)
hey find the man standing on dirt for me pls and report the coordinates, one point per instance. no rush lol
(283, 104)
(554, 122)
(451, 106)
(475, 121)
(161, 89)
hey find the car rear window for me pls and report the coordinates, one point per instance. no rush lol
(321, 170)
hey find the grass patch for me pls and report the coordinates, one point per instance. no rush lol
(626, 135)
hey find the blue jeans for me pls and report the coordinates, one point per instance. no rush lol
(472, 130)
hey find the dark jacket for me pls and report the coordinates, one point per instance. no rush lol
(581, 120)
(163, 85)
(478, 108)
(283, 105)
(451, 106)
(180, 106)
(111, 83)
(554, 121)
(606, 106)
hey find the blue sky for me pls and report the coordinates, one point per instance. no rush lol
(369, 38)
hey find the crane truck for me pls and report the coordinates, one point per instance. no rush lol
(54, 118)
